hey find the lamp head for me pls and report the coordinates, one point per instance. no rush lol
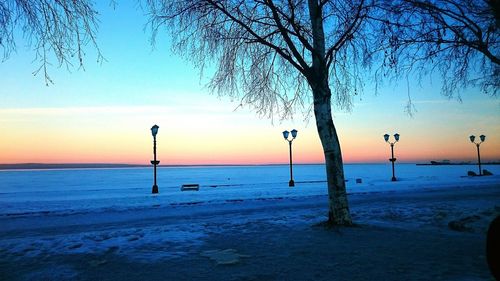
(285, 134)
(154, 130)
(482, 137)
(386, 137)
(472, 138)
(294, 133)
(396, 136)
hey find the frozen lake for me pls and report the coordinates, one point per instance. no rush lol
(81, 190)
(104, 224)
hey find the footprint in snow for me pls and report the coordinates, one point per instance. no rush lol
(75, 246)
(224, 257)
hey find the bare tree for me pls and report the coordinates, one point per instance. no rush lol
(53, 28)
(272, 54)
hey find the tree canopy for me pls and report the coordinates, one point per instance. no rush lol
(263, 50)
(54, 29)
(457, 39)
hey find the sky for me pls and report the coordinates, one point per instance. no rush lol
(103, 113)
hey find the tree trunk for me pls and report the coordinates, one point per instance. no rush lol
(338, 213)
(317, 77)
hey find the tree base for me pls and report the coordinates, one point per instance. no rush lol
(332, 225)
(339, 222)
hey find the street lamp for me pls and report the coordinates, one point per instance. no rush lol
(294, 135)
(386, 138)
(154, 131)
(482, 138)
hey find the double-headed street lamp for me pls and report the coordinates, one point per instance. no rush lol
(482, 138)
(386, 138)
(154, 131)
(294, 135)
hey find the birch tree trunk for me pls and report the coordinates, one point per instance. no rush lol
(338, 213)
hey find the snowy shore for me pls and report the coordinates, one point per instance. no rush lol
(415, 233)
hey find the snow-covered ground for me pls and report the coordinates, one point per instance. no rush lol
(244, 223)
(83, 190)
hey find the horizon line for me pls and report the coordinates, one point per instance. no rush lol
(38, 165)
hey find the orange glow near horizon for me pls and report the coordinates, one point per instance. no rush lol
(190, 140)
(207, 131)
(212, 155)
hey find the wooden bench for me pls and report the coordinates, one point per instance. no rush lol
(190, 187)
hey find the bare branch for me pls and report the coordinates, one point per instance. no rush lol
(53, 28)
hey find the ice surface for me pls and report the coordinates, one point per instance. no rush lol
(38, 192)
(97, 215)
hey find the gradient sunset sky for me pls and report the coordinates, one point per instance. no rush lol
(103, 114)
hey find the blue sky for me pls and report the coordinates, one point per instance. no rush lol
(103, 113)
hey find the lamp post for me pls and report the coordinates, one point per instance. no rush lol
(392, 159)
(294, 135)
(154, 131)
(482, 138)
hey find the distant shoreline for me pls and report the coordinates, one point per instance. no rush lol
(45, 166)
(455, 164)
(57, 166)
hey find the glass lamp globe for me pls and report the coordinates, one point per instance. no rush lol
(154, 130)
(285, 134)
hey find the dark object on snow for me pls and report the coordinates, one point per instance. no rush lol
(493, 248)
(471, 173)
(190, 187)
(460, 225)
(487, 173)
(359, 180)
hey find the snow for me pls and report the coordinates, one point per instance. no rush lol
(84, 190)
(57, 219)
